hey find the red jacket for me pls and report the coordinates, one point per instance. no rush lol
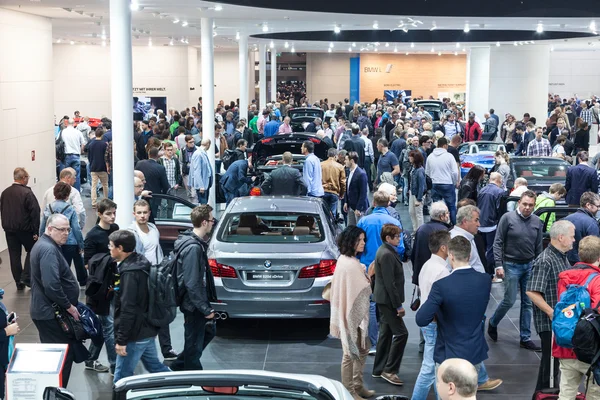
(472, 132)
(578, 275)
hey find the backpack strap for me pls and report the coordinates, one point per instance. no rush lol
(50, 208)
(589, 279)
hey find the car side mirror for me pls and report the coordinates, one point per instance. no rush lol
(56, 393)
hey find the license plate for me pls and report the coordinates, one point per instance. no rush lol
(268, 276)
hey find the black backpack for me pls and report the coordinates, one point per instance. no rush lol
(228, 158)
(586, 337)
(59, 145)
(164, 296)
(428, 183)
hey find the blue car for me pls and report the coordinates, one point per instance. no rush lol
(480, 153)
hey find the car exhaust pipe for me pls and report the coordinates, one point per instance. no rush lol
(223, 316)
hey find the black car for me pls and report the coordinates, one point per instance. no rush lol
(435, 108)
(540, 172)
(302, 116)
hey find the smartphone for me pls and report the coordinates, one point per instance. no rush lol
(12, 317)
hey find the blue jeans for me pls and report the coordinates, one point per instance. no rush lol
(144, 350)
(405, 189)
(202, 197)
(373, 324)
(482, 375)
(515, 275)
(108, 331)
(74, 161)
(332, 201)
(447, 193)
(426, 376)
(110, 186)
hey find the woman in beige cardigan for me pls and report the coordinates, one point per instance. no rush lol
(349, 297)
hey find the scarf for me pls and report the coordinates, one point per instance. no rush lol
(350, 293)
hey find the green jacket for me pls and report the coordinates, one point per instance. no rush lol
(252, 124)
(546, 200)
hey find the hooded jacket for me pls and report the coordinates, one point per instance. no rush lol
(441, 167)
(131, 300)
(585, 225)
(194, 278)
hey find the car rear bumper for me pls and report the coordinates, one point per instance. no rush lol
(273, 304)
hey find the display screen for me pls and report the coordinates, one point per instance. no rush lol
(143, 105)
(36, 361)
(404, 95)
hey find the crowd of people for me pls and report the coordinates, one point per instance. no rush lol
(395, 150)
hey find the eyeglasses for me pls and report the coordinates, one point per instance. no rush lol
(214, 220)
(62, 230)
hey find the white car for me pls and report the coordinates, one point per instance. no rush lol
(228, 384)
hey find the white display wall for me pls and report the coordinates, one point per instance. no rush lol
(574, 72)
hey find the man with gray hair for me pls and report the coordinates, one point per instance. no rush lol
(456, 380)
(467, 225)
(440, 221)
(314, 126)
(542, 291)
(285, 180)
(519, 188)
(488, 201)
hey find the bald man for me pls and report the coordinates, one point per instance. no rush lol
(488, 202)
(456, 380)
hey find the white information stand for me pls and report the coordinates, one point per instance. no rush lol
(34, 367)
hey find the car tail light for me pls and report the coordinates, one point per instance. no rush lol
(320, 270)
(266, 140)
(255, 191)
(271, 163)
(467, 165)
(221, 270)
(315, 140)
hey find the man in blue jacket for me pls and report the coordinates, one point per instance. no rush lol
(488, 202)
(372, 225)
(200, 178)
(355, 202)
(584, 221)
(458, 303)
(235, 181)
(580, 178)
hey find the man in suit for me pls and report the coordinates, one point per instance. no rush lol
(356, 144)
(580, 178)
(285, 180)
(458, 303)
(235, 182)
(156, 177)
(355, 202)
(314, 126)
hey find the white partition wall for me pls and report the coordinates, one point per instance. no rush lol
(26, 93)
(478, 80)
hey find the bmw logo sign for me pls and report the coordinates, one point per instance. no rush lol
(267, 264)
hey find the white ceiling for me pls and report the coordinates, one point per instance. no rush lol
(85, 22)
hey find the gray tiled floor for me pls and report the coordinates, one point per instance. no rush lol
(302, 346)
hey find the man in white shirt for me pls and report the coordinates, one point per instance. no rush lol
(147, 239)
(369, 153)
(68, 175)
(74, 143)
(467, 225)
(433, 270)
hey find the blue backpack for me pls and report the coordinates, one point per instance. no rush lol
(568, 310)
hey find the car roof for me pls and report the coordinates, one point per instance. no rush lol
(530, 158)
(276, 203)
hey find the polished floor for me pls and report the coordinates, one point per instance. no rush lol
(302, 346)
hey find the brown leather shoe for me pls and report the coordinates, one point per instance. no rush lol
(365, 393)
(491, 384)
(392, 378)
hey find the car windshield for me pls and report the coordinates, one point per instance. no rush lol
(546, 171)
(493, 147)
(303, 112)
(271, 227)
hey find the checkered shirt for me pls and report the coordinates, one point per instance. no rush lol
(170, 168)
(540, 148)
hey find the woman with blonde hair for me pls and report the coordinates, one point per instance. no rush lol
(508, 129)
(350, 301)
(502, 158)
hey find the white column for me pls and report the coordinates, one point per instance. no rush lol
(594, 148)
(273, 75)
(262, 76)
(208, 96)
(243, 61)
(519, 80)
(122, 117)
(478, 81)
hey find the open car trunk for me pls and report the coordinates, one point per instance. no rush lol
(268, 151)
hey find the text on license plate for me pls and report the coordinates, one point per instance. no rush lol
(268, 276)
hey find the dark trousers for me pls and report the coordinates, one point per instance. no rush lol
(368, 164)
(164, 339)
(15, 242)
(393, 337)
(50, 332)
(488, 238)
(543, 381)
(198, 333)
(71, 253)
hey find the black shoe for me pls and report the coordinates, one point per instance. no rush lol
(170, 355)
(529, 345)
(493, 332)
(20, 286)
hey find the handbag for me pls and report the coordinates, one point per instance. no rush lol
(72, 328)
(415, 303)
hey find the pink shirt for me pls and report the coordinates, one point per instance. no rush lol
(285, 128)
(260, 124)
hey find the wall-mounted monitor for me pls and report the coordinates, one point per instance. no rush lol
(142, 106)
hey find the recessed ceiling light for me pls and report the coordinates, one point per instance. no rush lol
(467, 29)
(387, 45)
(593, 26)
(329, 50)
(540, 28)
(532, 42)
(134, 6)
(353, 44)
(58, 41)
(458, 45)
(350, 49)
(265, 28)
(456, 53)
(104, 43)
(293, 50)
(395, 49)
(71, 42)
(337, 29)
(175, 21)
(103, 37)
(286, 45)
(439, 53)
(375, 25)
(184, 24)
(331, 45)
(237, 36)
(497, 44)
(407, 53)
(272, 45)
(464, 49)
(432, 50)
(405, 29)
(150, 42)
(433, 28)
(412, 45)
(551, 48)
(515, 44)
(171, 42)
(218, 7)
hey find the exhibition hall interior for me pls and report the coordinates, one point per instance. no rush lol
(206, 71)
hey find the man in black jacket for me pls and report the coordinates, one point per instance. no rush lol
(54, 283)
(135, 338)
(285, 180)
(156, 177)
(21, 223)
(389, 296)
(356, 144)
(195, 279)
